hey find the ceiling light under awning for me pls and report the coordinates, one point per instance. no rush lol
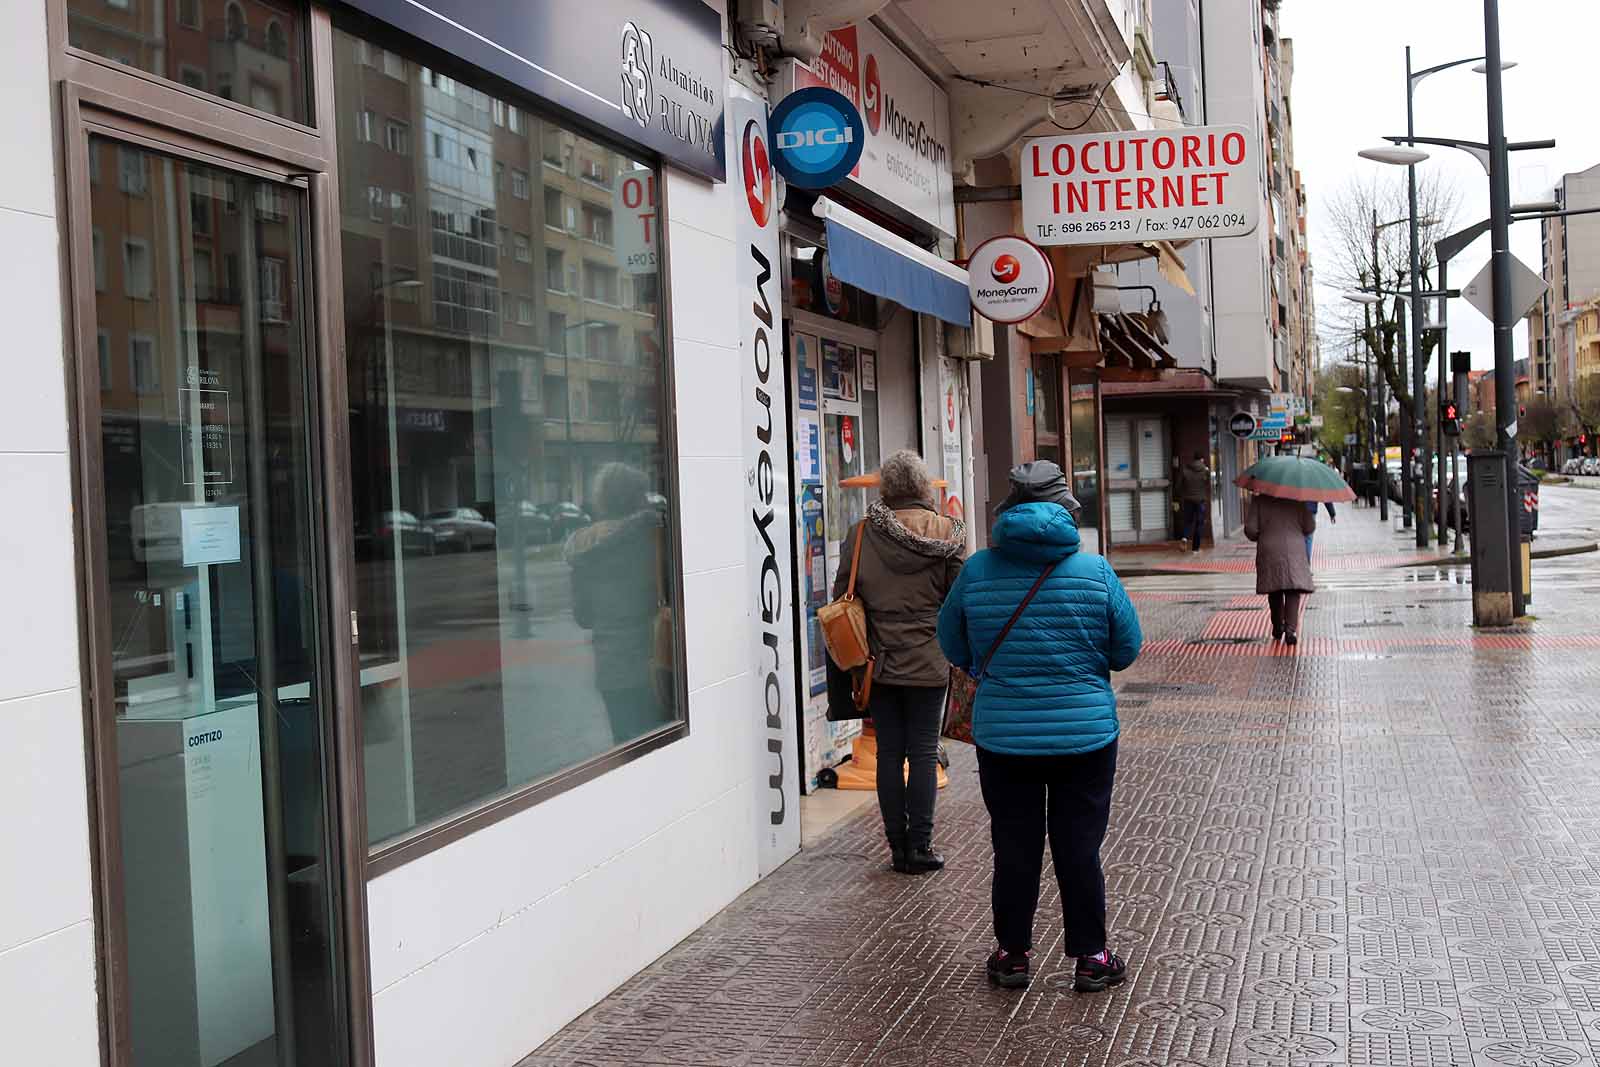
(869, 257)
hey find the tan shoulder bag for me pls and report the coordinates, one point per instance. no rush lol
(844, 621)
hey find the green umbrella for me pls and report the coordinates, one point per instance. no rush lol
(1294, 478)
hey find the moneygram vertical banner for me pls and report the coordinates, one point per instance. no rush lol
(906, 159)
(1148, 185)
(768, 530)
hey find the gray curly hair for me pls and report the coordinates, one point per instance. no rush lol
(904, 476)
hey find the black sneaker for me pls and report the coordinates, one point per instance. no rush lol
(1008, 970)
(925, 859)
(1096, 973)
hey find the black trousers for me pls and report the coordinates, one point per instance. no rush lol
(1194, 522)
(907, 720)
(1285, 608)
(1068, 798)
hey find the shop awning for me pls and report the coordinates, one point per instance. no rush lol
(869, 257)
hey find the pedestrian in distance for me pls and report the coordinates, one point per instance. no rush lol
(1194, 491)
(1044, 719)
(1280, 529)
(1333, 517)
(909, 560)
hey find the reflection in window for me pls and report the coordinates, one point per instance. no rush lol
(507, 462)
(257, 45)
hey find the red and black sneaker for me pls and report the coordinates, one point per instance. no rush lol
(1009, 970)
(1096, 973)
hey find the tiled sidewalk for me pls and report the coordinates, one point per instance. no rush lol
(1382, 848)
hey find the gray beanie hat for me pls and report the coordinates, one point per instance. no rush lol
(1040, 482)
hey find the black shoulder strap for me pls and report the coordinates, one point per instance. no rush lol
(1015, 615)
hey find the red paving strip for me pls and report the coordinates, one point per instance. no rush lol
(1367, 561)
(1340, 646)
(1235, 624)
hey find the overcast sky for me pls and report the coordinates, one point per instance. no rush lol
(1349, 90)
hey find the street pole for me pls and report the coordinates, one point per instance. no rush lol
(1505, 386)
(1404, 426)
(1380, 409)
(1419, 367)
(1439, 398)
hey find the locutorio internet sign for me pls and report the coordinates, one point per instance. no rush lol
(1147, 185)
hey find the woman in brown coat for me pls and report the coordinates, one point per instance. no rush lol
(909, 561)
(1280, 528)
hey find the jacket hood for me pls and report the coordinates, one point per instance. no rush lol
(610, 535)
(914, 536)
(1036, 533)
(1198, 465)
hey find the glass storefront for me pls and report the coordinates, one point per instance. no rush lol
(201, 311)
(506, 383)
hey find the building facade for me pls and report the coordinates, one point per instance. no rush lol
(1571, 269)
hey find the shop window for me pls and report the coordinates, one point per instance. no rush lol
(223, 46)
(581, 509)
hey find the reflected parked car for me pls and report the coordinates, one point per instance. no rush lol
(461, 529)
(566, 518)
(536, 524)
(1591, 466)
(402, 528)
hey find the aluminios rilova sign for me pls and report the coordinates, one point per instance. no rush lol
(1010, 279)
(816, 137)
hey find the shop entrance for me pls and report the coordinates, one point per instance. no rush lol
(214, 710)
(1138, 481)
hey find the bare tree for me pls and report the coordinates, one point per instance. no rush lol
(1349, 215)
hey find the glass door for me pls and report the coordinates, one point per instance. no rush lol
(218, 713)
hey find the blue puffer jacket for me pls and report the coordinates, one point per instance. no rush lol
(1048, 688)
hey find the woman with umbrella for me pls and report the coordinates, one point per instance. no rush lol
(1279, 522)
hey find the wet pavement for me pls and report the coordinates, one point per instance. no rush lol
(1379, 848)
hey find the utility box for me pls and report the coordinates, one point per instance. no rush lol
(1487, 500)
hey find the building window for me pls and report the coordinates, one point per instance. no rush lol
(597, 225)
(498, 109)
(514, 119)
(270, 203)
(138, 278)
(555, 275)
(524, 249)
(189, 14)
(366, 126)
(133, 173)
(144, 367)
(499, 177)
(102, 340)
(204, 277)
(193, 77)
(553, 152)
(599, 282)
(399, 209)
(397, 137)
(272, 290)
(555, 326)
(235, 27)
(375, 203)
(524, 311)
(519, 184)
(277, 40)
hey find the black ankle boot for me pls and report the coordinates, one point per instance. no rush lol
(925, 859)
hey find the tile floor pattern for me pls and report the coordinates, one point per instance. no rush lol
(1386, 854)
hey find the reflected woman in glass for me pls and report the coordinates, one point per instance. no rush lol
(619, 594)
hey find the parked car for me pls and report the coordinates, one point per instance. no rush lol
(402, 528)
(566, 518)
(536, 521)
(461, 529)
(1572, 465)
(1591, 466)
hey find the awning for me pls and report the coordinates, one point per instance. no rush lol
(869, 257)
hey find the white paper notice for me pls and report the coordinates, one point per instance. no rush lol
(210, 535)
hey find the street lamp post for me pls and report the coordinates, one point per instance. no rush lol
(1419, 372)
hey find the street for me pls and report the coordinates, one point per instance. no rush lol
(1382, 847)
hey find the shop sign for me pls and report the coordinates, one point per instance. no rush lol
(638, 223)
(1010, 279)
(1242, 425)
(1145, 185)
(769, 544)
(650, 71)
(905, 161)
(817, 137)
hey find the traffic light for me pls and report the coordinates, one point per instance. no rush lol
(1449, 419)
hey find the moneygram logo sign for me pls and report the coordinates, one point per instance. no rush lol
(756, 168)
(1009, 279)
(817, 137)
(638, 53)
(872, 95)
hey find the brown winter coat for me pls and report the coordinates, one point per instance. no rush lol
(1279, 528)
(909, 561)
(1194, 483)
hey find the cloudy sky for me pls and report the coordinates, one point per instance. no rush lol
(1349, 90)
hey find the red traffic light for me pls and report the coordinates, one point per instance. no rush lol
(1450, 411)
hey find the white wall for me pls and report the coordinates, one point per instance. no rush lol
(48, 1011)
(482, 950)
(1241, 288)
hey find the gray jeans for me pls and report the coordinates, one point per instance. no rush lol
(907, 720)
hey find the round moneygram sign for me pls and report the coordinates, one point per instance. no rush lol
(817, 137)
(1242, 424)
(1009, 279)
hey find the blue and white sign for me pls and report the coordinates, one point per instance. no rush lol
(817, 137)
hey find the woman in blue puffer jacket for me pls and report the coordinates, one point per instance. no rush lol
(1045, 716)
